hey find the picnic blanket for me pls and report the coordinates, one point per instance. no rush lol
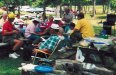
(99, 43)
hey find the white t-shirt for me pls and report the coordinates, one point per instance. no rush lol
(30, 29)
(16, 20)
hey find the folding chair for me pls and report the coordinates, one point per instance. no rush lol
(47, 55)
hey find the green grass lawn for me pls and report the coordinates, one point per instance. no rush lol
(10, 66)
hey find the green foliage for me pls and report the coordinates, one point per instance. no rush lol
(113, 5)
(36, 3)
(1, 4)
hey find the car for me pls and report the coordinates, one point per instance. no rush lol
(38, 10)
(29, 16)
(24, 8)
(50, 10)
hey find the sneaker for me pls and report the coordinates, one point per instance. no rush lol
(16, 54)
(63, 49)
(13, 56)
(21, 48)
(22, 64)
(67, 47)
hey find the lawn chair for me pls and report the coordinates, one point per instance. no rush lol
(48, 56)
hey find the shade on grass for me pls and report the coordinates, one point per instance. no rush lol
(10, 66)
(98, 30)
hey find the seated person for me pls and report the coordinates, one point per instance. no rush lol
(32, 30)
(48, 25)
(46, 46)
(18, 20)
(9, 33)
(3, 19)
(66, 43)
(72, 26)
(83, 29)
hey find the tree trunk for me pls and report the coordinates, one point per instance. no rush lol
(94, 10)
(79, 7)
(103, 8)
(84, 9)
(58, 11)
(44, 6)
(19, 9)
(61, 11)
(108, 7)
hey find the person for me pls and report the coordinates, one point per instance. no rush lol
(9, 32)
(19, 24)
(50, 21)
(3, 19)
(67, 43)
(67, 18)
(46, 46)
(18, 20)
(32, 30)
(83, 29)
(72, 26)
(44, 17)
(48, 25)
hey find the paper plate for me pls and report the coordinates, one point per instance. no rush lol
(44, 69)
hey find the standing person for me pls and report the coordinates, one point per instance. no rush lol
(9, 32)
(3, 19)
(83, 29)
(67, 18)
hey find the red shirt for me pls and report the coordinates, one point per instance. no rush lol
(60, 23)
(7, 26)
(49, 24)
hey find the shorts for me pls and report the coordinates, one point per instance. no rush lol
(8, 39)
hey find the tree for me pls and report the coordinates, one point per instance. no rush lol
(94, 10)
(113, 5)
(1, 3)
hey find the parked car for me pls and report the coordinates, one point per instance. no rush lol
(38, 10)
(29, 16)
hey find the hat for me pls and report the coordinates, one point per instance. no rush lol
(55, 26)
(11, 15)
(36, 20)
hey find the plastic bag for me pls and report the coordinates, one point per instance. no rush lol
(79, 56)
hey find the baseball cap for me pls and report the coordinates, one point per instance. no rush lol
(37, 20)
(55, 26)
(11, 15)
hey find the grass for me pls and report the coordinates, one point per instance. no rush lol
(10, 66)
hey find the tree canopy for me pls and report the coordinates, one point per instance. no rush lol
(41, 3)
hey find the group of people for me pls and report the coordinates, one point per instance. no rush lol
(66, 31)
